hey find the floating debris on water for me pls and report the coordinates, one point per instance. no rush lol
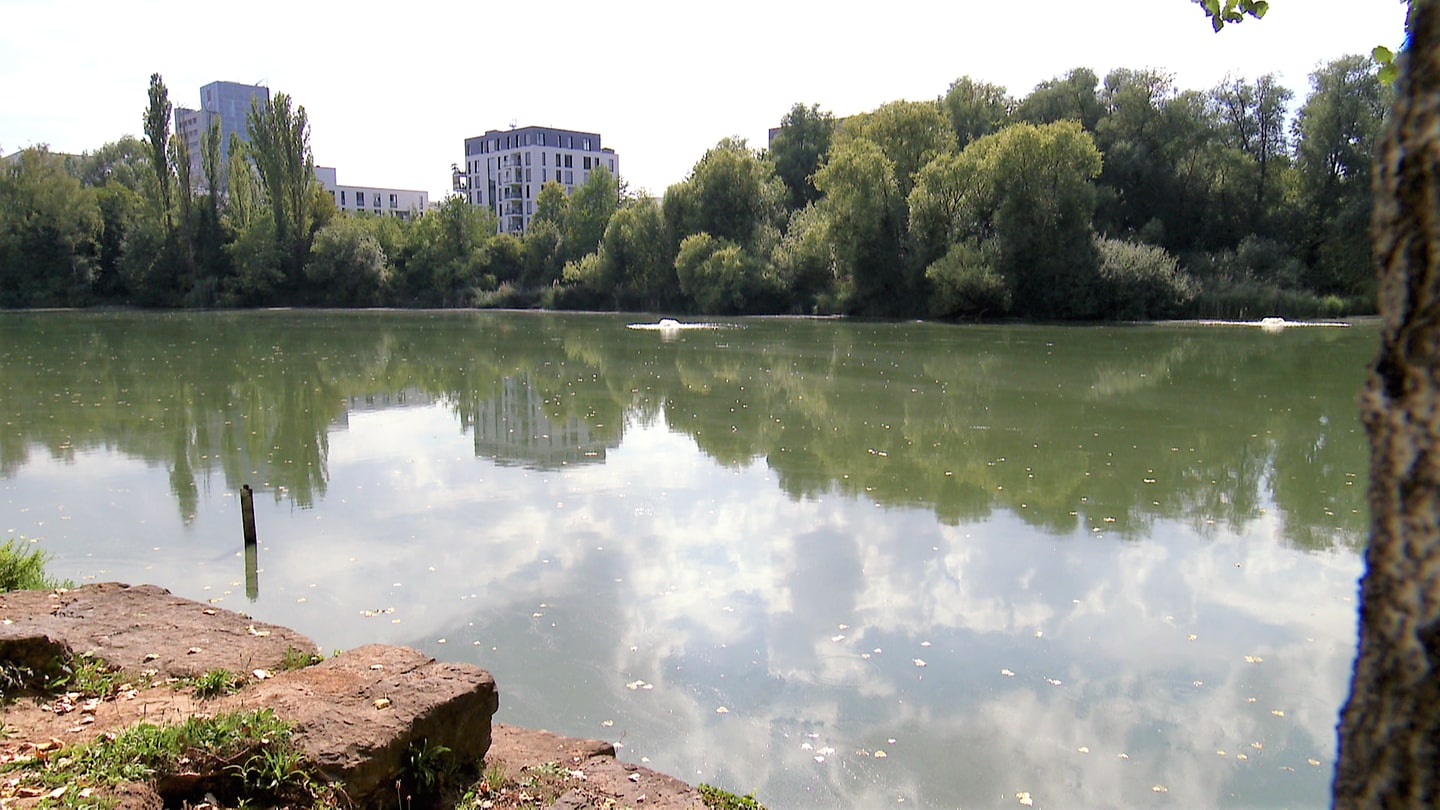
(672, 325)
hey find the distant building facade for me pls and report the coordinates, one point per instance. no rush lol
(227, 102)
(504, 169)
(391, 202)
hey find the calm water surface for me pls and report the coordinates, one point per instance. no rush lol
(838, 564)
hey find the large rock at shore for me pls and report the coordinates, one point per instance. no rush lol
(359, 715)
(140, 628)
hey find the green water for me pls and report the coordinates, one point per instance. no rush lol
(835, 563)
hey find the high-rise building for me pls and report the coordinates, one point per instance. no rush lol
(229, 102)
(504, 169)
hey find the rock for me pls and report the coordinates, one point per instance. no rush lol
(606, 782)
(357, 715)
(142, 627)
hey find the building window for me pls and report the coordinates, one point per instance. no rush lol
(612, 165)
(527, 192)
(394, 200)
(569, 142)
(585, 162)
(543, 172)
(586, 147)
(527, 175)
(527, 158)
(542, 158)
(542, 139)
(569, 178)
(342, 198)
(359, 198)
(568, 159)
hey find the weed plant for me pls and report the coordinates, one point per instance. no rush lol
(23, 569)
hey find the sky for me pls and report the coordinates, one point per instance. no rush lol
(393, 89)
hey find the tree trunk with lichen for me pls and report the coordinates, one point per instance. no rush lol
(1390, 727)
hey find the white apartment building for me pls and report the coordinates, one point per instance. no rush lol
(505, 169)
(393, 202)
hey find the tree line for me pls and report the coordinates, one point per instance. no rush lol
(1088, 198)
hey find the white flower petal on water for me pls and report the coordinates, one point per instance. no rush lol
(880, 753)
(1160, 789)
(721, 710)
(1025, 798)
(919, 662)
(1007, 673)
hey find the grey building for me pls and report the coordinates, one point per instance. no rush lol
(228, 102)
(504, 169)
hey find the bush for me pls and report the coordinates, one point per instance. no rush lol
(23, 570)
(965, 283)
(1140, 282)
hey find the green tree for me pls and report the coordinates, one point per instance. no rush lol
(1044, 197)
(280, 149)
(347, 264)
(976, 109)
(865, 224)
(591, 206)
(50, 226)
(1251, 118)
(1072, 97)
(797, 149)
(124, 161)
(719, 275)
(157, 138)
(909, 133)
(446, 263)
(731, 194)
(634, 261)
(1336, 132)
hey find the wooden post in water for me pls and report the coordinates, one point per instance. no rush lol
(247, 519)
(247, 514)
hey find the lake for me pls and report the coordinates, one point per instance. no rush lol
(836, 563)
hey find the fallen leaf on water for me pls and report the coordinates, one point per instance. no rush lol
(1221, 753)
(879, 754)
(1277, 712)
(1122, 755)
(607, 723)
(1257, 746)
(1253, 659)
(819, 757)
(919, 662)
(1084, 749)
(1242, 756)
(721, 710)
(1024, 798)
(1160, 789)
(1191, 637)
(1312, 762)
(1054, 681)
(1007, 673)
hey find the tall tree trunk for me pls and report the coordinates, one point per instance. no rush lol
(1390, 727)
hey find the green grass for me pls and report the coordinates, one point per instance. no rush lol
(250, 753)
(23, 569)
(298, 659)
(217, 682)
(718, 799)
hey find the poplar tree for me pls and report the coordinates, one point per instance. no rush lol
(157, 137)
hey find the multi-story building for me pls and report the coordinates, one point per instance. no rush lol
(395, 202)
(228, 102)
(504, 169)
